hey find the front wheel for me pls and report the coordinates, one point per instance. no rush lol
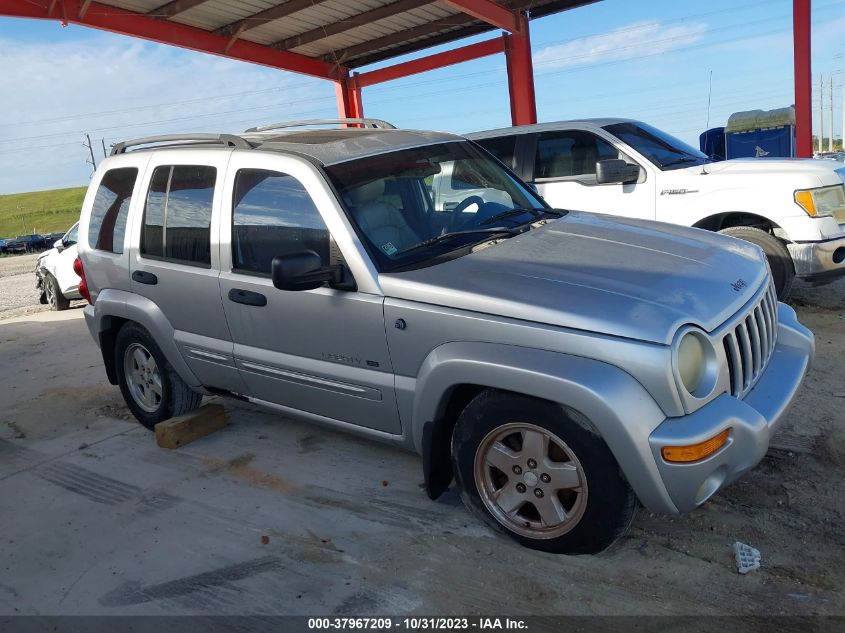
(540, 474)
(780, 261)
(151, 388)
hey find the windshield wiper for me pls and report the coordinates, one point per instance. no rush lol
(537, 213)
(510, 232)
(681, 160)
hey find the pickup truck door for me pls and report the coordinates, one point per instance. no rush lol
(564, 172)
(323, 351)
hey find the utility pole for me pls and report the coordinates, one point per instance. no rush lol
(830, 118)
(103, 141)
(821, 112)
(90, 151)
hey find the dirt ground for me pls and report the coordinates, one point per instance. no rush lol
(273, 515)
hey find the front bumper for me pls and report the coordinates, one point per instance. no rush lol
(751, 421)
(819, 261)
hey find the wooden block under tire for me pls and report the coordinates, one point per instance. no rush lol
(184, 429)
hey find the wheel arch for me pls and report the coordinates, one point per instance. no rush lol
(114, 309)
(455, 373)
(719, 221)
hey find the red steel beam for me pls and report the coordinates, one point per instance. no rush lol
(348, 93)
(107, 18)
(803, 78)
(438, 60)
(521, 75)
(487, 11)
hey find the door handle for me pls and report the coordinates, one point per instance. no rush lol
(247, 297)
(143, 277)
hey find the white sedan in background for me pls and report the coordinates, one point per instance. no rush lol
(56, 280)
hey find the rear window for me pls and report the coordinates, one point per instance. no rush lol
(107, 226)
(177, 214)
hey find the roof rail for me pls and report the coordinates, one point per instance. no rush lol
(229, 140)
(370, 123)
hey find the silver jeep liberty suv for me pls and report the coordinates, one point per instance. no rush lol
(560, 367)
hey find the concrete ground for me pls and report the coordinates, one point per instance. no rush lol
(276, 516)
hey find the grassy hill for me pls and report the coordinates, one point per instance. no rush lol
(40, 211)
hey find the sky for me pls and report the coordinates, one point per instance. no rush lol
(650, 60)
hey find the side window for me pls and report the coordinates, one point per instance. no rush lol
(107, 224)
(570, 153)
(177, 214)
(273, 214)
(502, 148)
(73, 235)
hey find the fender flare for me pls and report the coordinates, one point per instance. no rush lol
(112, 303)
(618, 406)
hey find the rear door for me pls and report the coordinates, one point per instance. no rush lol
(175, 260)
(564, 173)
(324, 351)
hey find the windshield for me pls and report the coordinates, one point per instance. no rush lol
(417, 206)
(660, 148)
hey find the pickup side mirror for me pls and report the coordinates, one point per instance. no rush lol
(616, 171)
(59, 245)
(303, 271)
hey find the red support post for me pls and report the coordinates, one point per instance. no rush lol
(521, 74)
(348, 94)
(803, 79)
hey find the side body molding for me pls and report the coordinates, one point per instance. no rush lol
(112, 303)
(619, 407)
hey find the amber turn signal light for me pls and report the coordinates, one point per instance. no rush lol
(695, 452)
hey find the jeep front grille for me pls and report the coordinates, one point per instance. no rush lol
(749, 345)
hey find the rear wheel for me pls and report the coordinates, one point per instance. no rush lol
(152, 389)
(531, 470)
(780, 261)
(53, 294)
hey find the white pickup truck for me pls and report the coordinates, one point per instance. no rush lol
(794, 209)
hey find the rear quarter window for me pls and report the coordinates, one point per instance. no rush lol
(107, 225)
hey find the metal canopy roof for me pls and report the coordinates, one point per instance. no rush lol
(342, 32)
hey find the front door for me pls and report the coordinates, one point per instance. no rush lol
(565, 175)
(323, 351)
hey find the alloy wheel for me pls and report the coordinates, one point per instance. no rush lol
(142, 377)
(530, 480)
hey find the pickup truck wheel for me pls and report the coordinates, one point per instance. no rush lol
(531, 470)
(53, 294)
(153, 391)
(780, 261)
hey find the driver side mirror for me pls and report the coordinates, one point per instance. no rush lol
(616, 171)
(303, 271)
(59, 245)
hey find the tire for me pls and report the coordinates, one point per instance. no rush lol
(780, 261)
(53, 294)
(154, 392)
(598, 509)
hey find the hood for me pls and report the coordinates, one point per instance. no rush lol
(828, 172)
(616, 276)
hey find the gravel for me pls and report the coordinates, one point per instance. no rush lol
(18, 295)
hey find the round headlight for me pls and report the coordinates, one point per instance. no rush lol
(693, 362)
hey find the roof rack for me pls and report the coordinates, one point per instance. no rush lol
(368, 123)
(229, 140)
